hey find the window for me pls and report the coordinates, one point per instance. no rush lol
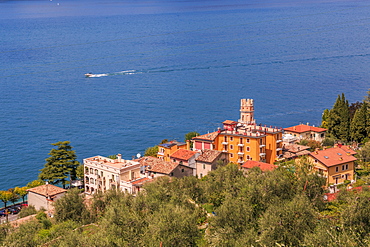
(182, 170)
(225, 138)
(231, 155)
(346, 166)
(337, 169)
(201, 175)
(248, 149)
(248, 157)
(342, 167)
(248, 140)
(231, 147)
(241, 140)
(204, 166)
(231, 138)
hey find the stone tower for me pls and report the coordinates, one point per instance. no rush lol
(246, 111)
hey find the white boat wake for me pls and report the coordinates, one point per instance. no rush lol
(124, 72)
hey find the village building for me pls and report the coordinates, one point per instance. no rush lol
(306, 132)
(263, 166)
(335, 164)
(293, 151)
(186, 158)
(165, 150)
(102, 173)
(43, 196)
(155, 167)
(209, 160)
(244, 140)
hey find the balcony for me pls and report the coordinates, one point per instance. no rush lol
(240, 153)
(278, 141)
(262, 154)
(224, 151)
(240, 145)
(240, 161)
(160, 154)
(224, 143)
(262, 145)
(279, 149)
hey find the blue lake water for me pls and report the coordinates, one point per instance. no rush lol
(167, 68)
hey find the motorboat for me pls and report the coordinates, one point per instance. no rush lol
(89, 75)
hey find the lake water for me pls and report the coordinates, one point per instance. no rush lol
(167, 68)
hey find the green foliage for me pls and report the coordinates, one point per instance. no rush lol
(325, 118)
(151, 151)
(80, 171)
(35, 183)
(359, 125)
(21, 192)
(339, 120)
(60, 165)
(328, 142)
(26, 211)
(71, 207)
(24, 236)
(314, 145)
(6, 196)
(189, 136)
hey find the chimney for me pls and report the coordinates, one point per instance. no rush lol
(187, 144)
(119, 157)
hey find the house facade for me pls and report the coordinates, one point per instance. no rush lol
(335, 164)
(186, 158)
(165, 150)
(208, 160)
(44, 196)
(155, 167)
(102, 173)
(306, 132)
(244, 140)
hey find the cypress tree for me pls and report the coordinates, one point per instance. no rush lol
(339, 120)
(325, 119)
(358, 128)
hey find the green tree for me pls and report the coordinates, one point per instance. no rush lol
(325, 119)
(189, 136)
(15, 196)
(72, 207)
(339, 119)
(151, 151)
(35, 183)
(80, 171)
(5, 196)
(21, 192)
(358, 130)
(286, 222)
(60, 165)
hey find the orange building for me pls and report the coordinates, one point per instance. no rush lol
(244, 140)
(165, 150)
(336, 164)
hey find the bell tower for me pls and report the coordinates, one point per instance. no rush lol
(246, 111)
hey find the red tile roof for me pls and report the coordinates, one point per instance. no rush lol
(334, 156)
(140, 181)
(304, 128)
(263, 166)
(294, 148)
(229, 122)
(47, 190)
(210, 136)
(183, 154)
(208, 156)
(157, 165)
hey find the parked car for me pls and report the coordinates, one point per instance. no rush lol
(14, 210)
(2, 213)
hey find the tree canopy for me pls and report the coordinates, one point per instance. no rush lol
(61, 165)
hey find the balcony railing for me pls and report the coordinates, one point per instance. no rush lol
(262, 145)
(279, 141)
(240, 153)
(241, 145)
(262, 154)
(160, 153)
(279, 149)
(224, 151)
(224, 143)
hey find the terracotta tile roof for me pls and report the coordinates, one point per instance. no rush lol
(294, 148)
(47, 190)
(231, 122)
(334, 156)
(263, 166)
(140, 181)
(304, 128)
(183, 154)
(157, 165)
(208, 156)
(210, 136)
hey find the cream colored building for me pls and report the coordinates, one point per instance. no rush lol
(102, 174)
(44, 196)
